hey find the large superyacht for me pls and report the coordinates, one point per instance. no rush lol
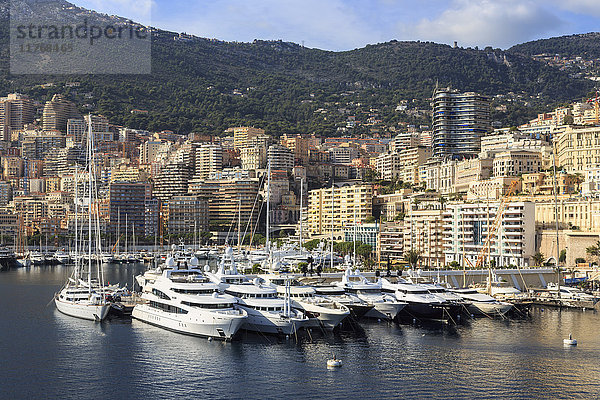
(327, 312)
(267, 312)
(385, 306)
(184, 300)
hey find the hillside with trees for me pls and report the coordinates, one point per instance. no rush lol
(206, 85)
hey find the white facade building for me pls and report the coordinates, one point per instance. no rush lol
(466, 228)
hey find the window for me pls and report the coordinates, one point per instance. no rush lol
(160, 294)
(167, 308)
(215, 306)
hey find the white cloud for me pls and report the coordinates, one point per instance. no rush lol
(327, 24)
(498, 23)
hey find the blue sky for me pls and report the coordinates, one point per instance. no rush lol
(348, 24)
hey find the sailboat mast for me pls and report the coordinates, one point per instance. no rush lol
(268, 244)
(126, 226)
(300, 233)
(89, 153)
(332, 195)
(76, 246)
(554, 182)
(240, 225)
(118, 228)
(354, 254)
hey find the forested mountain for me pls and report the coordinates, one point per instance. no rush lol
(585, 45)
(207, 85)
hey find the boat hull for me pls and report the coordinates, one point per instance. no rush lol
(385, 310)
(429, 311)
(274, 324)
(92, 312)
(489, 309)
(217, 326)
(327, 318)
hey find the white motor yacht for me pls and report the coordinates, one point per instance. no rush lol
(357, 307)
(186, 301)
(421, 303)
(571, 293)
(62, 257)
(178, 258)
(328, 313)
(385, 306)
(481, 304)
(267, 313)
(37, 258)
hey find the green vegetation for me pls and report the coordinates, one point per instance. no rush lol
(594, 251)
(412, 257)
(584, 45)
(207, 86)
(538, 259)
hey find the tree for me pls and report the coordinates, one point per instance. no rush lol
(363, 250)
(311, 244)
(568, 120)
(538, 259)
(412, 257)
(594, 250)
(454, 265)
(563, 256)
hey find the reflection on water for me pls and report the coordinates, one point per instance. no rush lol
(45, 354)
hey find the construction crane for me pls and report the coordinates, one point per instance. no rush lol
(596, 101)
(485, 250)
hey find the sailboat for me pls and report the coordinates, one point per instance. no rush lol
(86, 298)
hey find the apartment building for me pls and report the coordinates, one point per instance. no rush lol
(298, 145)
(391, 241)
(172, 181)
(209, 160)
(471, 170)
(517, 162)
(578, 148)
(243, 134)
(581, 214)
(459, 122)
(16, 111)
(467, 227)
(334, 208)
(280, 157)
(492, 189)
(543, 183)
(187, 214)
(229, 200)
(423, 232)
(57, 112)
(127, 203)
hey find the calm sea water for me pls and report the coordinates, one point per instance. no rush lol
(46, 355)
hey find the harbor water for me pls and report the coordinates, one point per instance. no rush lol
(45, 354)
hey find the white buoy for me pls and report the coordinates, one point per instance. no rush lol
(210, 339)
(334, 362)
(570, 341)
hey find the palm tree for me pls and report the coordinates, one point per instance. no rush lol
(594, 250)
(412, 257)
(538, 258)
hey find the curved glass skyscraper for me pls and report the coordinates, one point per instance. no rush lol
(459, 121)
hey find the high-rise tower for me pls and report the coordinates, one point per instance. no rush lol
(459, 121)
